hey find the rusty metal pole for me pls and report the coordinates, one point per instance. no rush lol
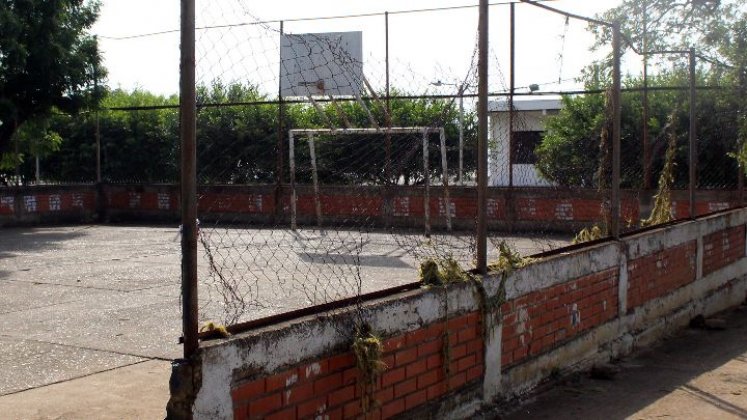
(388, 141)
(97, 99)
(17, 152)
(482, 140)
(188, 130)
(693, 151)
(646, 144)
(740, 184)
(616, 127)
(511, 209)
(511, 90)
(388, 102)
(280, 141)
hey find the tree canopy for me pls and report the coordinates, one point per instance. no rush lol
(47, 60)
(238, 144)
(572, 150)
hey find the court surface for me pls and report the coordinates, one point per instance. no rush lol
(85, 299)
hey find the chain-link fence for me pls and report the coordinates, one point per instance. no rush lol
(333, 163)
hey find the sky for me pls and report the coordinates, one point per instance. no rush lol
(424, 47)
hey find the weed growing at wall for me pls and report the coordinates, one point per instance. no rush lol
(439, 272)
(368, 352)
(588, 234)
(214, 330)
(662, 211)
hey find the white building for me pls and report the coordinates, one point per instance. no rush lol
(529, 125)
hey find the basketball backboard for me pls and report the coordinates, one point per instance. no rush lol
(321, 64)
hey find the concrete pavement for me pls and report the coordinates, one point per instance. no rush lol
(696, 374)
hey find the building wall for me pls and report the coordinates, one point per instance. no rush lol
(450, 350)
(524, 175)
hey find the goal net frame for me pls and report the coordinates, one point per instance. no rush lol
(312, 133)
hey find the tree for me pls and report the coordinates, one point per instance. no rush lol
(136, 146)
(237, 144)
(719, 30)
(361, 159)
(47, 60)
(570, 152)
(655, 25)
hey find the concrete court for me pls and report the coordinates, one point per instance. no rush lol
(79, 300)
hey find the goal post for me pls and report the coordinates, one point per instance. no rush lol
(311, 134)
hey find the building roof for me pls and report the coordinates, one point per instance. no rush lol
(527, 103)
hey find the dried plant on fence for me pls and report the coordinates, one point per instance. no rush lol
(509, 260)
(214, 330)
(604, 172)
(438, 272)
(662, 211)
(588, 234)
(368, 352)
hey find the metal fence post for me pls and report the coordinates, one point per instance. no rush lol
(388, 140)
(646, 144)
(482, 140)
(188, 130)
(510, 207)
(281, 139)
(426, 186)
(616, 126)
(692, 152)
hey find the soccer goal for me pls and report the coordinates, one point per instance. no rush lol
(337, 135)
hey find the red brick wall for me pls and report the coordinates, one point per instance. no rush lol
(539, 321)
(660, 273)
(533, 205)
(242, 202)
(329, 387)
(39, 203)
(465, 207)
(723, 248)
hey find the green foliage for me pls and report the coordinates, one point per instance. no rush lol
(237, 144)
(718, 30)
(671, 25)
(570, 153)
(47, 60)
(340, 154)
(135, 145)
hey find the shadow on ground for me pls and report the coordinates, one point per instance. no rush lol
(20, 240)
